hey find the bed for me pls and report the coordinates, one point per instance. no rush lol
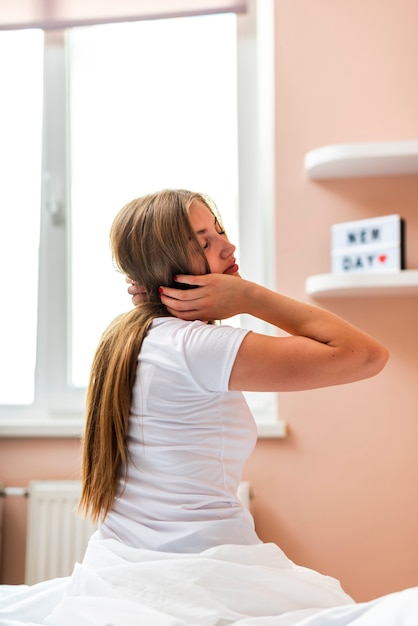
(253, 585)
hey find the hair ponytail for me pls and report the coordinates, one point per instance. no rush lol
(151, 240)
(107, 408)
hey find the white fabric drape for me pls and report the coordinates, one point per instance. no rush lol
(52, 14)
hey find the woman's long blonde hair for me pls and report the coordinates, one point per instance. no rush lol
(151, 241)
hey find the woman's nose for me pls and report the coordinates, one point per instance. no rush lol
(227, 249)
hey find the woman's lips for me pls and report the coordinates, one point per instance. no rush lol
(232, 269)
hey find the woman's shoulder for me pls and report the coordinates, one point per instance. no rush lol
(196, 337)
(172, 322)
(174, 325)
(206, 352)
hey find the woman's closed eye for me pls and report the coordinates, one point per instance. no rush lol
(205, 246)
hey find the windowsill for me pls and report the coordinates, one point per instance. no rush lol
(73, 427)
(272, 430)
(48, 427)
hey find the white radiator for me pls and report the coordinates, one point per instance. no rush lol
(57, 536)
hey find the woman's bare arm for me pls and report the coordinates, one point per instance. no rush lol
(322, 349)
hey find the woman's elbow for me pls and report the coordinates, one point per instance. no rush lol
(376, 359)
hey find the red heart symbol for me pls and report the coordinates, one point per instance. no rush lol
(382, 258)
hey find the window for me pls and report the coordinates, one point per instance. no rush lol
(143, 117)
(121, 120)
(20, 166)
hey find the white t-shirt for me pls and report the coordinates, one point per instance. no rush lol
(188, 439)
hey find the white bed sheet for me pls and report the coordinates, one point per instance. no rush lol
(242, 585)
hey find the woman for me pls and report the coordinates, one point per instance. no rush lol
(168, 432)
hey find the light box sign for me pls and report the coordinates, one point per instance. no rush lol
(368, 246)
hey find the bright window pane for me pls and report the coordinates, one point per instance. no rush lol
(152, 105)
(21, 79)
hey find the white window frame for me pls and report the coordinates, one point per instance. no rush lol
(256, 137)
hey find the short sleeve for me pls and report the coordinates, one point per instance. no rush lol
(210, 353)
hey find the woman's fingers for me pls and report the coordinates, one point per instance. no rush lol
(138, 292)
(213, 296)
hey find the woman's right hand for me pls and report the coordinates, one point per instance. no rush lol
(138, 293)
(210, 297)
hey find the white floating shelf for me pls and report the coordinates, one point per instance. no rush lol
(400, 283)
(352, 160)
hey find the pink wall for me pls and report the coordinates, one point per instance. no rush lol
(22, 460)
(340, 493)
